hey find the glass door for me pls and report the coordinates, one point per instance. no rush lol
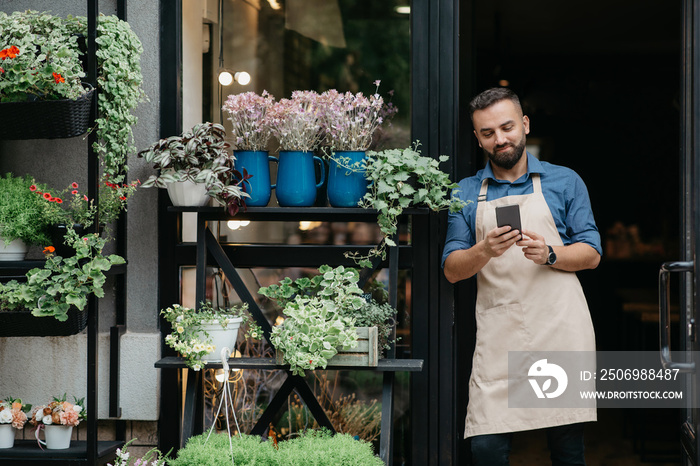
(690, 224)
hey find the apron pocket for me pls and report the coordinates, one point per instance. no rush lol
(499, 330)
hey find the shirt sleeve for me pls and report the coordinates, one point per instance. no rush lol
(459, 232)
(580, 224)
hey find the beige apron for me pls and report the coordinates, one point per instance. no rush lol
(522, 306)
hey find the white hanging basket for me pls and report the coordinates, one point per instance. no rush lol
(222, 337)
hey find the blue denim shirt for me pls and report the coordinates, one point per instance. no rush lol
(563, 190)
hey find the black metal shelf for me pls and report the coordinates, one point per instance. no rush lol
(290, 214)
(27, 452)
(227, 257)
(384, 365)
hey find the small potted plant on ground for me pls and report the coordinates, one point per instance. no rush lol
(197, 160)
(13, 415)
(58, 418)
(399, 179)
(22, 219)
(200, 335)
(250, 134)
(315, 447)
(322, 315)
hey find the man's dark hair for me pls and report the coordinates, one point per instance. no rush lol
(492, 96)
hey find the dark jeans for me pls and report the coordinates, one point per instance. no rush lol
(565, 445)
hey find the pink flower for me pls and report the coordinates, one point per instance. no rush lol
(69, 418)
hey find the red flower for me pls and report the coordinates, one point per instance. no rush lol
(74, 192)
(85, 197)
(10, 52)
(1, 70)
(49, 250)
(47, 195)
(122, 198)
(74, 185)
(32, 187)
(58, 200)
(58, 78)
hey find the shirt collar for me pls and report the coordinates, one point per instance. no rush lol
(533, 166)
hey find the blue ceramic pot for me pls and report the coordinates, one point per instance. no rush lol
(345, 186)
(296, 178)
(257, 164)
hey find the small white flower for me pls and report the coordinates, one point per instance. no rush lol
(47, 420)
(5, 416)
(77, 408)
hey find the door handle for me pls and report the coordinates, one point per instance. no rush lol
(665, 315)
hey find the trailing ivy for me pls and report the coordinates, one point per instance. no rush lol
(119, 81)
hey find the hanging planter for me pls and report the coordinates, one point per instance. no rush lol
(46, 119)
(24, 324)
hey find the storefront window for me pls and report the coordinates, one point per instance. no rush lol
(288, 45)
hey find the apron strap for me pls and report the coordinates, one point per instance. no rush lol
(536, 185)
(482, 191)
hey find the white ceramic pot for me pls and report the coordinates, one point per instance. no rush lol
(187, 193)
(57, 437)
(222, 337)
(13, 251)
(7, 436)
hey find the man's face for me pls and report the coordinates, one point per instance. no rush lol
(500, 130)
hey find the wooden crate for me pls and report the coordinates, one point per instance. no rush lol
(365, 354)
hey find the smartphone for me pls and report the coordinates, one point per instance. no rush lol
(509, 215)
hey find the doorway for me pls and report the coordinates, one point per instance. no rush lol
(600, 82)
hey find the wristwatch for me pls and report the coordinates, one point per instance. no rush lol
(551, 257)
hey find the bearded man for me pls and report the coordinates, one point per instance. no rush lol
(528, 296)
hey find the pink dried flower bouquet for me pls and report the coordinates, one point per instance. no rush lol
(248, 114)
(12, 411)
(352, 119)
(297, 123)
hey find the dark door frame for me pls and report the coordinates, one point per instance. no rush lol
(438, 393)
(442, 81)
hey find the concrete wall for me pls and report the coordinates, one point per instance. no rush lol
(38, 368)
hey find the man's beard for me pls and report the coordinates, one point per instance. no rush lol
(507, 159)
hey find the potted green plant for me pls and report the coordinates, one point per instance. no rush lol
(63, 282)
(321, 317)
(399, 179)
(315, 447)
(71, 208)
(199, 335)
(198, 159)
(22, 218)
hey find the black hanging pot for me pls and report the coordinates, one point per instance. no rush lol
(46, 119)
(58, 233)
